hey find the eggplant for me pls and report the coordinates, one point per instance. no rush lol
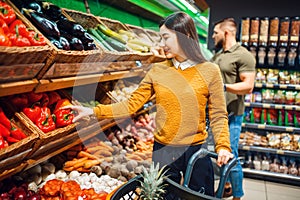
(71, 27)
(52, 11)
(45, 25)
(90, 46)
(55, 42)
(86, 38)
(35, 6)
(65, 43)
(75, 43)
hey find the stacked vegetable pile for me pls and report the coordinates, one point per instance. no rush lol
(62, 32)
(44, 109)
(13, 32)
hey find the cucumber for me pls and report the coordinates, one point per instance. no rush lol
(112, 42)
(100, 40)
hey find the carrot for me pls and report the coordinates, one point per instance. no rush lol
(71, 163)
(80, 163)
(103, 152)
(68, 169)
(106, 146)
(90, 163)
(93, 149)
(83, 154)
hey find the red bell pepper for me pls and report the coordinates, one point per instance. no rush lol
(64, 117)
(36, 39)
(4, 131)
(12, 140)
(2, 142)
(34, 97)
(33, 112)
(19, 27)
(61, 103)
(54, 97)
(45, 100)
(4, 120)
(4, 40)
(19, 100)
(9, 14)
(15, 132)
(45, 121)
(4, 26)
(18, 40)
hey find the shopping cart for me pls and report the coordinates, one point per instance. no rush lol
(128, 190)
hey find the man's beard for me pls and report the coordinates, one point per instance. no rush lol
(219, 45)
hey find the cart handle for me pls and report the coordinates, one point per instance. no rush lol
(225, 169)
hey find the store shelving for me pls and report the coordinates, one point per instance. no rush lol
(277, 86)
(272, 176)
(269, 150)
(271, 127)
(273, 106)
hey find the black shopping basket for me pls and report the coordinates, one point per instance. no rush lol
(128, 191)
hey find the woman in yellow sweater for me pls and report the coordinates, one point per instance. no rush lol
(183, 85)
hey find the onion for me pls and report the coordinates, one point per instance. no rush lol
(20, 195)
(5, 196)
(34, 197)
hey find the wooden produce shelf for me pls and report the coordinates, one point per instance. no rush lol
(67, 82)
(17, 87)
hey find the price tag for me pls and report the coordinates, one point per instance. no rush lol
(283, 86)
(269, 85)
(247, 104)
(297, 87)
(279, 151)
(246, 148)
(261, 126)
(288, 107)
(297, 108)
(266, 106)
(289, 129)
(278, 106)
(258, 85)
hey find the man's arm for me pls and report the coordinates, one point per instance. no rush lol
(245, 86)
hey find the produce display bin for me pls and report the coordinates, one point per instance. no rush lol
(24, 63)
(15, 153)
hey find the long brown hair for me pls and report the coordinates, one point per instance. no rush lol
(186, 33)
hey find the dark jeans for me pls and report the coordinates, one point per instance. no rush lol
(176, 159)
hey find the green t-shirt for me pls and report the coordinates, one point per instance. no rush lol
(232, 63)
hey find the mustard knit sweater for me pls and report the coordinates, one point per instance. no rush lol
(181, 98)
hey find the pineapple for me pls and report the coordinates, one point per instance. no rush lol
(152, 185)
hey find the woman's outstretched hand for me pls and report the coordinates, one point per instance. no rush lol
(81, 111)
(223, 157)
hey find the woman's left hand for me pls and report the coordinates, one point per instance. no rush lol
(223, 157)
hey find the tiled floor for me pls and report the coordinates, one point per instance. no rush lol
(264, 190)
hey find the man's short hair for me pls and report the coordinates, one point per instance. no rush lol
(230, 22)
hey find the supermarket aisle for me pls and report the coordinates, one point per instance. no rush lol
(263, 190)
